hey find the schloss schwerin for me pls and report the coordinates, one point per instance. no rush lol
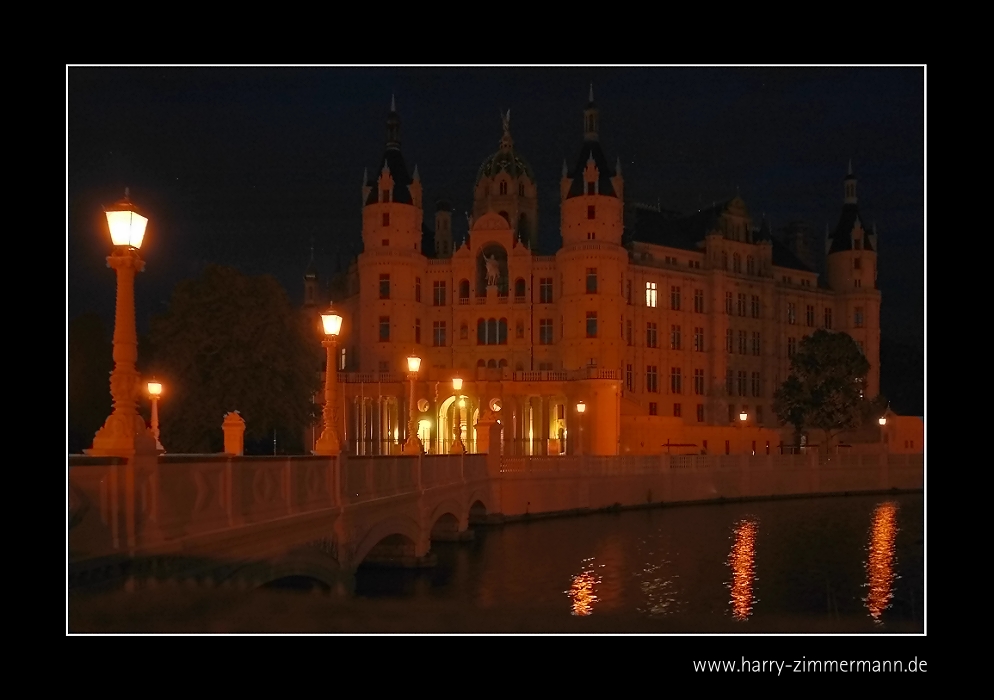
(667, 332)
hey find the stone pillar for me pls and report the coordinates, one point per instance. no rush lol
(234, 433)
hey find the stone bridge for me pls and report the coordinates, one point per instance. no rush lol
(221, 519)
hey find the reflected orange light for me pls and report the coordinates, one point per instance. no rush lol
(581, 591)
(880, 560)
(742, 561)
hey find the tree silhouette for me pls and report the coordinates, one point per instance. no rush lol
(233, 342)
(89, 363)
(825, 389)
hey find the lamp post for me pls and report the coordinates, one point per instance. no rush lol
(457, 446)
(123, 427)
(328, 443)
(155, 390)
(413, 441)
(743, 416)
(580, 408)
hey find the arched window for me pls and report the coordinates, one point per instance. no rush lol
(491, 364)
(751, 265)
(519, 287)
(481, 363)
(464, 290)
(481, 332)
(502, 332)
(502, 363)
(463, 332)
(736, 263)
(521, 189)
(503, 188)
(492, 331)
(519, 330)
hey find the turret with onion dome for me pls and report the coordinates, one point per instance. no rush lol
(505, 184)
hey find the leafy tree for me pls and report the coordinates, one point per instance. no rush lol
(89, 363)
(232, 342)
(825, 387)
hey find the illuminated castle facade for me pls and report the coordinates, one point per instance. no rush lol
(667, 331)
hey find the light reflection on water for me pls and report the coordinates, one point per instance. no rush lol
(880, 560)
(742, 562)
(581, 591)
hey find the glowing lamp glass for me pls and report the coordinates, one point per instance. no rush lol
(882, 420)
(413, 363)
(332, 323)
(154, 388)
(457, 383)
(127, 227)
(581, 407)
(743, 415)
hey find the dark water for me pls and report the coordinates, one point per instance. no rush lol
(852, 564)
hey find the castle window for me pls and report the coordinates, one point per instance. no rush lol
(591, 280)
(699, 301)
(700, 416)
(857, 243)
(677, 409)
(698, 339)
(742, 304)
(751, 265)
(653, 410)
(481, 363)
(438, 290)
(628, 331)
(591, 324)
(384, 328)
(728, 303)
(591, 188)
(741, 383)
(755, 384)
(791, 346)
(628, 291)
(519, 330)
(463, 331)
(828, 319)
(417, 330)
(438, 334)
(674, 337)
(856, 264)
(857, 283)
(650, 294)
(503, 188)
(463, 291)
(386, 196)
(386, 218)
(545, 290)
(341, 360)
(384, 286)
(742, 342)
(755, 343)
(675, 298)
(545, 331)
(755, 306)
(417, 289)
(651, 379)
(590, 212)
(519, 288)
(629, 378)
(521, 189)
(809, 315)
(699, 382)
(491, 364)
(650, 335)
(791, 313)
(736, 263)
(730, 340)
(502, 332)
(858, 317)
(676, 380)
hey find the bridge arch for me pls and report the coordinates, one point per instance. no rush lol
(397, 538)
(310, 564)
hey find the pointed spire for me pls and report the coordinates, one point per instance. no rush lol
(416, 177)
(591, 98)
(565, 169)
(393, 103)
(506, 142)
(365, 176)
(393, 126)
(617, 166)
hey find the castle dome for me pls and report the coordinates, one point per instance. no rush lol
(506, 159)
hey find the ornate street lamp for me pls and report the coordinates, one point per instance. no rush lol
(155, 391)
(328, 443)
(413, 441)
(123, 426)
(580, 408)
(743, 416)
(457, 446)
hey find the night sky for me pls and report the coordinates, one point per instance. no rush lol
(246, 166)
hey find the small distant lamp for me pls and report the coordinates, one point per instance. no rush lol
(581, 407)
(328, 443)
(155, 391)
(457, 446)
(413, 441)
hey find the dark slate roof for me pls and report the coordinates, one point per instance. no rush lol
(605, 171)
(783, 257)
(842, 238)
(508, 160)
(401, 178)
(674, 230)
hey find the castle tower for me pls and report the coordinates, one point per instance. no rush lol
(852, 273)
(443, 229)
(592, 261)
(505, 185)
(391, 264)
